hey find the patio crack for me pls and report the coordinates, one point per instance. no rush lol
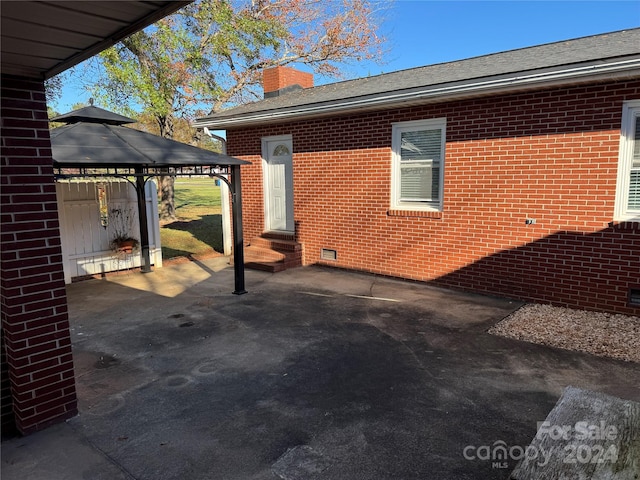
(95, 447)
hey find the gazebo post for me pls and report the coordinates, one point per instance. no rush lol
(238, 240)
(142, 217)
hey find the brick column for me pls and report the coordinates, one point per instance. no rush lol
(8, 425)
(35, 323)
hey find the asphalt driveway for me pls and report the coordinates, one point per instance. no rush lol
(314, 374)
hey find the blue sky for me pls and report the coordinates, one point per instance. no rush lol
(423, 32)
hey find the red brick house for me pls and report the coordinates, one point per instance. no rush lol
(515, 174)
(39, 40)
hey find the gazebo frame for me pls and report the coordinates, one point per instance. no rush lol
(138, 177)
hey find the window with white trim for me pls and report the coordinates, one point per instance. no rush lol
(628, 187)
(418, 164)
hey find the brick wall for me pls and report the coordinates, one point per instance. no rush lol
(35, 323)
(550, 155)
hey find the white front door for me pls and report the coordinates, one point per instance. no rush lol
(278, 182)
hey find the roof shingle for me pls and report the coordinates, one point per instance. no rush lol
(590, 53)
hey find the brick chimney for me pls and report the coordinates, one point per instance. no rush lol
(279, 80)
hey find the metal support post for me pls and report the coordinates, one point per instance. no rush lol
(144, 225)
(238, 240)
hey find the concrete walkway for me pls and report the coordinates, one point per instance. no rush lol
(314, 374)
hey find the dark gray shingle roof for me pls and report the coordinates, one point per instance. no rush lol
(588, 52)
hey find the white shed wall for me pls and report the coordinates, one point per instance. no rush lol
(85, 242)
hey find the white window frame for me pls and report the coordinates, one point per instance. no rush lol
(630, 111)
(396, 131)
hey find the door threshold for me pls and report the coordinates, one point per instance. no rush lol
(279, 234)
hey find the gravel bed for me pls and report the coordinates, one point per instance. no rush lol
(602, 334)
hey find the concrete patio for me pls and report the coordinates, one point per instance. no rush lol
(314, 374)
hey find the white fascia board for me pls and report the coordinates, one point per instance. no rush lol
(595, 71)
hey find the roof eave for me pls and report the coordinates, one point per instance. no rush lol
(601, 70)
(130, 29)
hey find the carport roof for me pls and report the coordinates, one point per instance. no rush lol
(42, 39)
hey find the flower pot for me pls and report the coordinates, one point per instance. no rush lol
(126, 246)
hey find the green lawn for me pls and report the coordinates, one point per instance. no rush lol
(198, 230)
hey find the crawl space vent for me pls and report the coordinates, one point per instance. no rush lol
(327, 254)
(634, 296)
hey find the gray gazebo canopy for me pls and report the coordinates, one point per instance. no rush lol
(95, 144)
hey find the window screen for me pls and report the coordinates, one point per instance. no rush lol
(420, 158)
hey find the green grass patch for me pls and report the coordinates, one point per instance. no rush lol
(198, 230)
(197, 192)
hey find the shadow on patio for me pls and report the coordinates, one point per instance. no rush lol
(315, 373)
